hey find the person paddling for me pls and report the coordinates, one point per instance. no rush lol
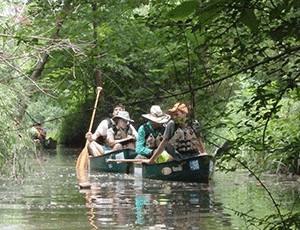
(94, 148)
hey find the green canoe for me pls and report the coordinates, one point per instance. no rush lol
(100, 163)
(194, 169)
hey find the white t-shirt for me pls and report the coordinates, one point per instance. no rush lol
(102, 129)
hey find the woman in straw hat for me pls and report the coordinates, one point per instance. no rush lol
(151, 133)
(123, 134)
(180, 139)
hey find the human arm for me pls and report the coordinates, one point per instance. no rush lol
(140, 144)
(157, 153)
(196, 128)
(134, 132)
(168, 134)
(110, 138)
(200, 146)
(101, 130)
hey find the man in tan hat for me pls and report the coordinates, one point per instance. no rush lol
(180, 139)
(151, 133)
(123, 134)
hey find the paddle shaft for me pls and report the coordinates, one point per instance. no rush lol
(82, 160)
(94, 110)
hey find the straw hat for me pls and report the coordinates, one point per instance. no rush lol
(123, 115)
(179, 106)
(157, 115)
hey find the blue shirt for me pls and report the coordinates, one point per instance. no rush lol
(140, 142)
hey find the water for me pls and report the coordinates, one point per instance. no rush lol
(49, 198)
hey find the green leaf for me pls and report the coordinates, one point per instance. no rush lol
(183, 10)
(248, 18)
(210, 11)
(207, 16)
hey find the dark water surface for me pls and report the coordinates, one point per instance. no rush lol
(49, 198)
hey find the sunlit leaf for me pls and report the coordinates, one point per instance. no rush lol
(183, 10)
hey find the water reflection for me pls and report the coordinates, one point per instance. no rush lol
(50, 198)
(128, 201)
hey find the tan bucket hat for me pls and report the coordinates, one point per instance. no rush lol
(124, 115)
(179, 106)
(157, 115)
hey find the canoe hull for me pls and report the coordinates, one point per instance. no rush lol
(100, 163)
(194, 169)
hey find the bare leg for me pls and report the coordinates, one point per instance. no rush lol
(201, 146)
(131, 146)
(117, 146)
(95, 149)
(141, 157)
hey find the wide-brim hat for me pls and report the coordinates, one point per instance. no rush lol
(156, 115)
(123, 115)
(179, 106)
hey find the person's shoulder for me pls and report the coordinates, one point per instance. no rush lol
(170, 126)
(110, 132)
(141, 128)
(170, 123)
(146, 125)
(111, 129)
(131, 127)
(103, 122)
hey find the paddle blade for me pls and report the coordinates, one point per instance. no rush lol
(81, 166)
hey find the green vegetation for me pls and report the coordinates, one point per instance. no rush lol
(235, 62)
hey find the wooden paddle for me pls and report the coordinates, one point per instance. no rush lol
(83, 158)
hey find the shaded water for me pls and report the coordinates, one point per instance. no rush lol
(49, 198)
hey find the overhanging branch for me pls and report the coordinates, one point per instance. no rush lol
(289, 51)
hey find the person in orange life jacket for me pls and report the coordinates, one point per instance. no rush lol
(121, 131)
(151, 133)
(180, 139)
(95, 148)
(41, 133)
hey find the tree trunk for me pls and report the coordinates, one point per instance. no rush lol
(40, 66)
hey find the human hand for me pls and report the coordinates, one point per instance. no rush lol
(203, 154)
(152, 151)
(145, 161)
(89, 136)
(131, 137)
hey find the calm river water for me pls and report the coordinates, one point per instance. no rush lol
(49, 198)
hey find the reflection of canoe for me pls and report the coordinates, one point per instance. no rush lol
(100, 163)
(194, 169)
(183, 197)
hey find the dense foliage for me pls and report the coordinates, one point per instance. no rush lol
(235, 62)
